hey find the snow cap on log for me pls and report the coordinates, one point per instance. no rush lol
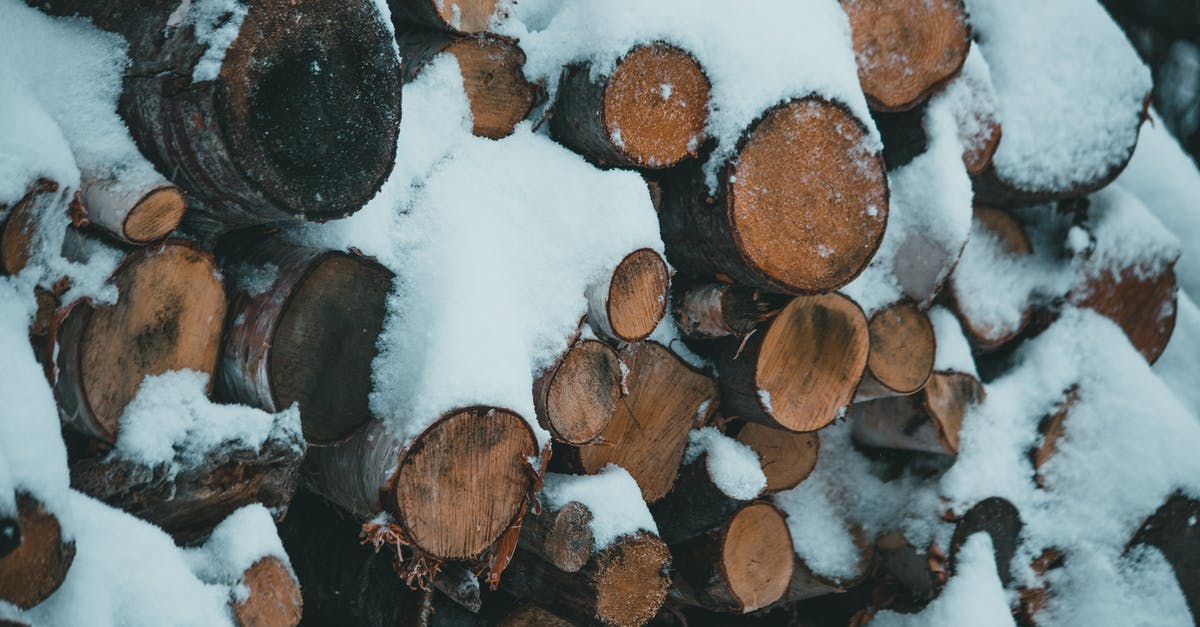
(902, 353)
(981, 290)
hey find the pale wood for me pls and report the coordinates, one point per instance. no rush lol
(630, 302)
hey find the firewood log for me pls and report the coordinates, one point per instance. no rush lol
(901, 355)
(1052, 428)
(1173, 531)
(1142, 304)
(798, 370)
(36, 567)
(695, 505)
(647, 435)
(648, 112)
(998, 518)
(714, 310)
(742, 566)
(532, 616)
(575, 398)
(456, 16)
(168, 315)
(787, 458)
(996, 238)
(629, 303)
(137, 208)
(767, 227)
(296, 119)
(19, 225)
(907, 50)
(303, 326)
(907, 578)
(189, 500)
(563, 536)
(491, 70)
(928, 421)
(272, 598)
(806, 583)
(452, 489)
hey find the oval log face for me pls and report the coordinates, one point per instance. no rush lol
(631, 582)
(274, 599)
(637, 295)
(903, 347)
(808, 201)
(464, 16)
(1141, 303)
(305, 102)
(583, 393)
(38, 565)
(155, 215)
(786, 458)
(757, 556)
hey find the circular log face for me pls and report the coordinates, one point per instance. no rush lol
(948, 396)
(637, 295)
(902, 348)
(37, 567)
(808, 202)
(1142, 303)
(168, 316)
(463, 480)
(757, 556)
(306, 100)
(811, 360)
(906, 49)
(656, 105)
(155, 215)
(274, 599)
(495, 84)
(464, 16)
(630, 584)
(583, 392)
(786, 458)
(324, 344)
(16, 234)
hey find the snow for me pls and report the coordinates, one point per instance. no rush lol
(243, 538)
(734, 467)
(973, 596)
(972, 98)
(953, 351)
(1128, 235)
(992, 286)
(492, 276)
(1134, 590)
(612, 496)
(216, 24)
(255, 280)
(1180, 362)
(171, 421)
(1069, 86)
(800, 47)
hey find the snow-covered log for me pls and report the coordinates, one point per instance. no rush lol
(627, 304)
(33, 569)
(998, 243)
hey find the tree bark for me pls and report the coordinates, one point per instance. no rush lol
(168, 315)
(563, 537)
(998, 518)
(139, 208)
(901, 355)
(455, 16)
(996, 237)
(694, 506)
(927, 422)
(303, 327)
(804, 235)
(798, 370)
(649, 112)
(807, 584)
(36, 567)
(628, 304)
(575, 398)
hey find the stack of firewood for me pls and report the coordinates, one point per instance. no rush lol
(759, 278)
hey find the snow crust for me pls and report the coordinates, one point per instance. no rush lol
(1069, 85)
(734, 467)
(612, 496)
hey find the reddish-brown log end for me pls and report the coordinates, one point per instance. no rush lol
(637, 295)
(786, 458)
(1015, 244)
(1141, 302)
(495, 83)
(16, 236)
(155, 215)
(576, 398)
(947, 397)
(631, 580)
(39, 564)
(756, 556)
(273, 599)
(902, 350)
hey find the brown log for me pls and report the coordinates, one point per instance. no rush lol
(787, 458)
(629, 303)
(649, 430)
(1052, 428)
(744, 565)
(491, 69)
(1034, 599)
(19, 228)
(35, 568)
(1139, 300)
(996, 236)
(900, 359)
(453, 489)
(575, 398)
(907, 50)
(456, 16)
(563, 536)
(649, 112)
(804, 234)
(1172, 529)
(298, 122)
(909, 578)
(927, 422)
(979, 128)
(695, 505)
(187, 501)
(137, 209)
(998, 518)
(273, 597)
(303, 326)
(713, 310)
(168, 315)
(806, 584)
(798, 370)
(621, 584)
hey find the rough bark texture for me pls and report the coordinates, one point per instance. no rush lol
(694, 506)
(714, 310)
(628, 118)
(19, 225)
(801, 236)
(799, 369)
(168, 316)
(137, 209)
(787, 458)
(188, 501)
(456, 16)
(901, 356)
(303, 326)
(927, 422)
(648, 432)
(491, 70)
(576, 397)
(999, 519)
(38, 565)
(630, 302)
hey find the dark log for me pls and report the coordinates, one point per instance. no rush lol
(35, 568)
(695, 505)
(575, 398)
(630, 302)
(807, 584)
(1172, 529)
(302, 328)
(714, 310)
(649, 112)
(798, 370)
(456, 16)
(901, 356)
(999, 519)
(532, 616)
(805, 234)
(926, 422)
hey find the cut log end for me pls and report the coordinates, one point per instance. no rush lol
(786, 458)
(1142, 303)
(637, 295)
(926, 422)
(630, 581)
(36, 567)
(980, 138)
(902, 351)
(17, 232)
(948, 396)
(655, 106)
(568, 542)
(321, 351)
(577, 397)
(272, 596)
(906, 50)
(311, 106)
(463, 482)
(495, 84)
(804, 236)
(756, 556)
(155, 215)
(460, 16)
